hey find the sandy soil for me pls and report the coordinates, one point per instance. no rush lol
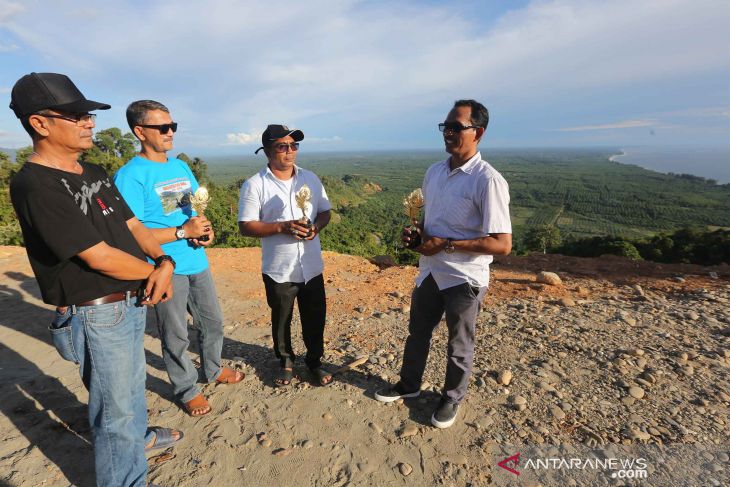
(571, 347)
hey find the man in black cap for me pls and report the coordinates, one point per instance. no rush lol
(87, 251)
(277, 204)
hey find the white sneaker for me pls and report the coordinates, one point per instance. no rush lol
(393, 393)
(444, 415)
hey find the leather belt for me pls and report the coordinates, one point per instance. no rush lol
(109, 298)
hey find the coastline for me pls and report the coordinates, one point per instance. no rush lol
(709, 163)
(614, 158)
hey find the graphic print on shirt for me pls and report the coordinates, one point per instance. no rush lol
(87, 192)
(174, 194)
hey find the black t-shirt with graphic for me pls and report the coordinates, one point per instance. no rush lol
(62, 214)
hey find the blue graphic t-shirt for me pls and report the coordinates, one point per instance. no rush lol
(159, 195)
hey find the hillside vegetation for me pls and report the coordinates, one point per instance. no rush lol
(571, 201)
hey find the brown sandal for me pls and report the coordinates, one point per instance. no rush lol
(198, 403)
(230, 376)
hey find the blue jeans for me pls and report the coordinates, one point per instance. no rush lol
(196, 293)
(107, 343)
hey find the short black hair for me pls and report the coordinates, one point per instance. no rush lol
(137, 111)
(479, 113)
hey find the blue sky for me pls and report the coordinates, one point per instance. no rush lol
(356, 75)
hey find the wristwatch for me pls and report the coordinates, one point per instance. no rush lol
(179, 232)
(159, 260)
(449, 248)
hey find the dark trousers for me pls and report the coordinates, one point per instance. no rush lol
(428, 304)
(312, 311)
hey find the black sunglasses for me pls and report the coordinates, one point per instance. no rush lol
(163, 128)
(77, 118)
(455, 127)
(282, 147)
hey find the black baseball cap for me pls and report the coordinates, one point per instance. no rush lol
(39, 91)
(274, 132)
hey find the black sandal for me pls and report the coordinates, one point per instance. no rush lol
(320, 375)
(284, 377)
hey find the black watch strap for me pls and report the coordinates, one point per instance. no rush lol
(449, 248)
(159, 260)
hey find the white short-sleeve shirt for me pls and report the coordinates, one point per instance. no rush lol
(265, 198)
(469, 202)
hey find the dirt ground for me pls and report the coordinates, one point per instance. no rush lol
(339, 435)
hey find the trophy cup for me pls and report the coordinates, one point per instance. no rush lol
(413, 204)
(303, 197)
(199, 202)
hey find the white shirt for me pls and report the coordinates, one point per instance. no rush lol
(267, 199)
(469, 202)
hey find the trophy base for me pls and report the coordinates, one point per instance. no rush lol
(415, 241)
(307, 223)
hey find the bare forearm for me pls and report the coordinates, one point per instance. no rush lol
(193, 228)
(146, 238)
(164, 235)
(495, 244)
(322, 219)
(115, 263)
(260, 229)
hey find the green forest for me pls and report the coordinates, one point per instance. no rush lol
(574, 202)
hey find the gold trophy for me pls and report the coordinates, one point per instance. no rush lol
(199, 201)
(303, 197)
(413, 204)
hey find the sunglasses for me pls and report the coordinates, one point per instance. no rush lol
(455, 127)
(294, 146)
(163, 128)
(77, 118)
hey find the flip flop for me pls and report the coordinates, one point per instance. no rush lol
(283, 377)
(198, 402)
(230, 376)
(163, 438)
(320, 374)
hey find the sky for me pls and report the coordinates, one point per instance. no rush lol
(380, 75)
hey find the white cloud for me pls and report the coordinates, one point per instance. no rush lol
(243, 138)
(325, 140)
(324, 52)
(8, 47)
(4, 89)
(8, 10)
(627, 124)
(227, 66)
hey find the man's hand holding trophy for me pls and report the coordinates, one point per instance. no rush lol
(412, 205)
(303, 199)
(199, 201)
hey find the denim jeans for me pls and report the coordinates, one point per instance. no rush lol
(107, 343)
(196, 293)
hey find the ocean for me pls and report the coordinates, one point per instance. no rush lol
(710, 163)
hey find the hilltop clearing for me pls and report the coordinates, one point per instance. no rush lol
(623, 354)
